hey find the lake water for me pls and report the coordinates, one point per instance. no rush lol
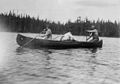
(49, 66)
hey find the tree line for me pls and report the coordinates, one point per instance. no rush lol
(13, 22)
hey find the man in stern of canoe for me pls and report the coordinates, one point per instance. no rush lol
(93, 34)
(67, 37)
(48, 33)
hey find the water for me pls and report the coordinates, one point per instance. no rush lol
(49, 66)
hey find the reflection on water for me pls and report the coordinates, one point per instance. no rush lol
(94, 50)
(93, 61)
(48, 66)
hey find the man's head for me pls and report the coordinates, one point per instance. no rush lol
(47, 27)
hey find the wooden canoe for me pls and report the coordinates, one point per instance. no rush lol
(54, 44)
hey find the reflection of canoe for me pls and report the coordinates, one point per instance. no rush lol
(42, 43)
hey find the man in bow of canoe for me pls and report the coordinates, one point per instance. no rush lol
(93, 34)
(48, 33)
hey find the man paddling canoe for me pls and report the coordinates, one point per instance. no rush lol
(48, 33)
(93, 34)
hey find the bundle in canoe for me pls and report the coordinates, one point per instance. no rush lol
(54, 44)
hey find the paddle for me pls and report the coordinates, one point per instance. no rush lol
(86, 35)
(90, 34)
(28, 42)
(86, 38)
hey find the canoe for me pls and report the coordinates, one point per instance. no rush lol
(54, 44)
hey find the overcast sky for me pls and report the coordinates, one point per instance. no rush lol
(62, 10)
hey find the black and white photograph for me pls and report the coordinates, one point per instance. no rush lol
(59, 41)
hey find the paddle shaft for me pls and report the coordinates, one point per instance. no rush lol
(31, 40)
(86, 38)
(28, 42)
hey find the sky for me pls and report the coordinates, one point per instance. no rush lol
(64, 10)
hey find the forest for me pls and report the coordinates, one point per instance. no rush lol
(12, 22)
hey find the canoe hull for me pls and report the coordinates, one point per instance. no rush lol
(42, 43)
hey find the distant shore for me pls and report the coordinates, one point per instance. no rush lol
(12, 22)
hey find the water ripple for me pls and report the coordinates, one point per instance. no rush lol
(69, 66)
